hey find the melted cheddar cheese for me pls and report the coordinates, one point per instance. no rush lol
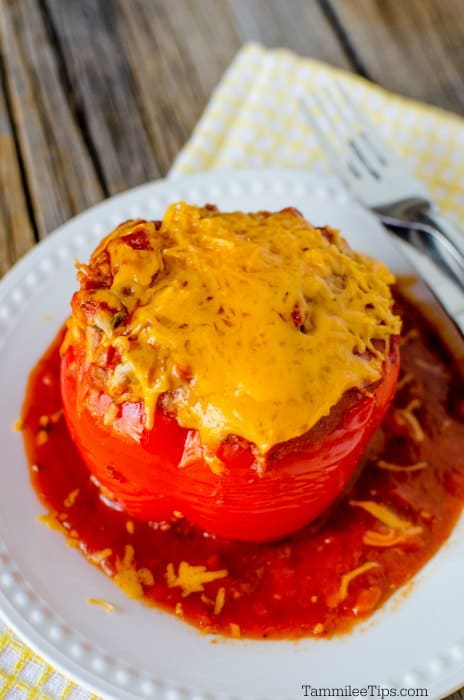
(192, 579)
(246, 324)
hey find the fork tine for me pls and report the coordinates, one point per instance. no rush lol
(309, 106)
(354, 133)
(375, 175)
(327, 131)
(368, 132)
(357, 163)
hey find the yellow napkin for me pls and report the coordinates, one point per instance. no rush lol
(253, 120)
(25, 676)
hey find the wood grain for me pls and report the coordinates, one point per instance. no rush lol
(60, 172)
(92, 39)
(176, 63)
(16, 228)
(415, 48)
(298, 25)
(158, 63)
(142, 72)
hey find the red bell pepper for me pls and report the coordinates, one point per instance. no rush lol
(157, 474)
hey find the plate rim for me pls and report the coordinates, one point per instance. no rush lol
(13, 618)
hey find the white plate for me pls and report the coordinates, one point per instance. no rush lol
(415, 641)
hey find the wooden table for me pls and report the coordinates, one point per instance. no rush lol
(99, 95)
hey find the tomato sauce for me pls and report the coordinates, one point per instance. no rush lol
(318, 582)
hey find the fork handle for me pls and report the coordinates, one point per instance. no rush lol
(449, 234)
(433, 218)
(432, 241)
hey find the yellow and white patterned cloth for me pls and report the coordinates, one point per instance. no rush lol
(253, 120)
(25, 676)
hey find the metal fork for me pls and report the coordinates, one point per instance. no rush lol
(378, 178)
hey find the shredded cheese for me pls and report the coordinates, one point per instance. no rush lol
(52, 522)
(130, 579)
(47, 420)
(235, 630)
(290, 317)
(406, 416)
(386, 516)
(108, 607)
(41, 438)
(410, 335)
(346, 579)
(367, 600)
(220, 600)
(404, 380)
(100, 556)
(434, 369)
(55, 522)
(145, 577)
(399, 468)
(390, 538)
(70, 499)
(191, 579)
(399, 530)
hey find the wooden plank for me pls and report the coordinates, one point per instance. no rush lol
(60, 172)
(16, 228)
(196, 41)
(157, 63)
(93, 40)
(298, 25)
(415, 48)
